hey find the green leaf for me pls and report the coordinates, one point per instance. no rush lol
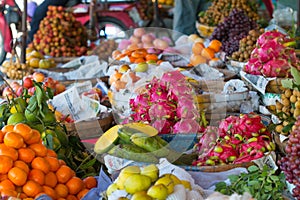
(274, 178)
(288, 127)
(287, 83)
(88, 164)
(233, 178)
(253, 168)
(268, 188)
(296, 74)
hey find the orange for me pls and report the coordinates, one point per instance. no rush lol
(75, 185)
(24, 130)
(83, 192)
(61, 162)
(39, 149)
(1, 136)
(26, 154)
(151, 57)
(3, 177)
(12, 139)
(8, 151)
(197, 48)
(54, 164)
(50, 192)
(9, 193)
(7, 185)
(22, 165)
(32, 188)
(197, 59)
(8, 128)
(6, 163)
(22, 196)
(90, 182)
(50, 179)
(71, 197)
(208, 53)
(41, 164)
(17, 175)
(115, 53)
(61, 190)
(215, 45)
(64, 173)
(35, 138)
(139, 60)
(51, 153)
(37, 175)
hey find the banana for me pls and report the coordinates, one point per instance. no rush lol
(150, 144)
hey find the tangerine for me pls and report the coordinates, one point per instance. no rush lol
(71, 197)
(14, 140)
(64, 173)
(26, 154)
(6, 164)
(37, 175)
(41, 164)
(17, 175)
(54, 164)
(1, 136)
(90, 182)
(75, 185)
(50, 192)
(8, 151)
(22, 165)
(24, 130)
(8, 128)
(7, 185)
(9, 193)
(215, 45)
(208, 53)
(35, 138)
(39, 149)
(32, 188)
(50, 179)
(61, 190)
(51, 153)
(82, 193)
(3, 177)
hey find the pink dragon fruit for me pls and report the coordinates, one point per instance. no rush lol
(253, 66)
(163, 126)
(162, 110)
(269, 35)
(186, 113)
(276, 68)
(271, 49)
(186, 126)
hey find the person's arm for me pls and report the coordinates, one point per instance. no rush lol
(270, 7)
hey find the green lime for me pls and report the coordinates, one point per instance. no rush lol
(16, 118)
(18, 105)
(49, 117)
(31, 116)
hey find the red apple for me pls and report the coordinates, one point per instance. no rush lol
(38, 76)
(19, 91)
(59, 88)
(7, 92)
(27, 82)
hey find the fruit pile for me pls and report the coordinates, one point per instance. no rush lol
(144, 9)
(120, 77)
(235, 27)
(36, 59)
(247, 45)
(221, 9)
(35, 111)
(202, 54)
(272, 56)
(60, 34)
(289, 163)
(16, 89)
(28, 169)
(237, 139)
(104, 49)
(167, 104)
(138, 55)
(288, 108)
(146, 183)
(135, 141)
(15, 70)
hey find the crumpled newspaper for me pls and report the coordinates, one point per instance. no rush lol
(207, 72)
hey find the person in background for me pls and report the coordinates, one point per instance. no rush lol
(186, 14)
(41, 10)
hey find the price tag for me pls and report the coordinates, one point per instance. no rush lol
(269, 160)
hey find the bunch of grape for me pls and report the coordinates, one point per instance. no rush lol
(290, 163)
(235, 27)
(220, 9)
(246, 45)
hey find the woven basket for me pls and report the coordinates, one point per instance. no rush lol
(90, 129)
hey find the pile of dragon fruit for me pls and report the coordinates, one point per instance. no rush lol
(238, 139)
(167, 104)
(272, 56)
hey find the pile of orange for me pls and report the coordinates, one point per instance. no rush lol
(202, 54)
(28, 169)
(136, 55)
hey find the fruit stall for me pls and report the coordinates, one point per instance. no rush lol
(156, 114)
